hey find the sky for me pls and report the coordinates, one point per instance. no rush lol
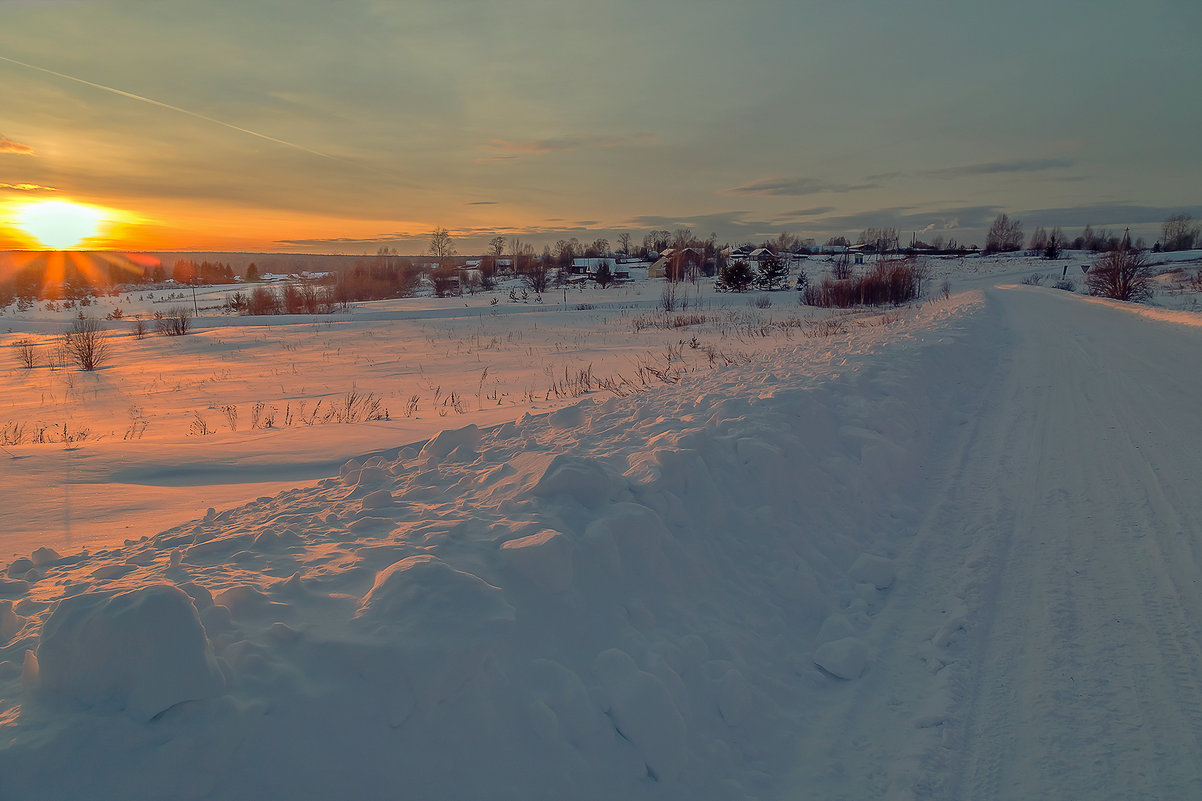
(311, 126)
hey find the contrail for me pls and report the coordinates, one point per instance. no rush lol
(161, 104)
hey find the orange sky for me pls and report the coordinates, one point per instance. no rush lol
(344, 127)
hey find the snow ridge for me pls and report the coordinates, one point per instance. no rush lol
(642, 598)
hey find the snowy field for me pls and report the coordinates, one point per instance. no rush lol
(946, 551)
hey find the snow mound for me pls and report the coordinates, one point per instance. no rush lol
(846, 658)
(143, 651)
(425, 601)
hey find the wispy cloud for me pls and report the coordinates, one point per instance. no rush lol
(570, 142)
(997, 167)
(481, 203)
(9, 146)
(344, 242)
(813, 211)
(27, 188)
(796, 187)
(167, 106)
(911, 218)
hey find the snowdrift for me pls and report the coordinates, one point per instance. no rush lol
(635, 598)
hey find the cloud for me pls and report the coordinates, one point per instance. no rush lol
(912, 218)
(168, 106)
(27, 188)
(732, 225)
(814, 211)
(570, 142)
(796, 187)
(9, 146)
(997, 167)
(481, 203)
(355, 242)
(1102, 214)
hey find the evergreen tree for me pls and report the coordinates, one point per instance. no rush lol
(772, 274)
(734, 277)
(603, 275)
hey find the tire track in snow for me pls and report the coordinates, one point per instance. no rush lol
(875, 737)
(1085, 667)
(1038, 641)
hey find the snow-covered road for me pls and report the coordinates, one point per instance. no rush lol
(1042, 639)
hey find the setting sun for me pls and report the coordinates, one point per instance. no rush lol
(59, 224)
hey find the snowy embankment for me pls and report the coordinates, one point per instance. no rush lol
(633, 598)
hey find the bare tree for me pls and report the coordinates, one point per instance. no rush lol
(87, 343)
(523, 255)
(565, 251)
(496, 246)
(1004, 236)
(600, 247)
(1039, 240)
(1120, 274)
(657, 240)
(537, 275)
(27, 352)
(882, 240)
(1180, 232)
(442, 245)
(624, 243)
(683, 238)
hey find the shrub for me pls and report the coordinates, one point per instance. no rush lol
(890, 281)
(1121, 274)
(385, 276)
(87, 344)
(667, 298)
(27, 352)
(306, 299)
(1066, 284)
(175, 323)
(263, 301)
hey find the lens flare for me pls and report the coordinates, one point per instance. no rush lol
(59, 224)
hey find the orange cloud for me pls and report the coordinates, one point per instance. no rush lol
(9, 146)
(28, 187)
